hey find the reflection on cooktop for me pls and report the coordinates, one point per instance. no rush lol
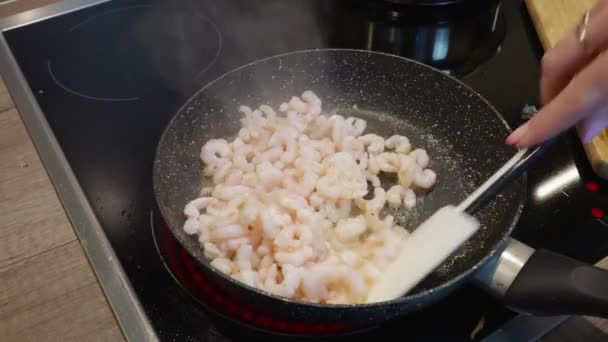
(144, 43)
(455, 39)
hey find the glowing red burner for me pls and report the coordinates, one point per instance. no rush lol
(597, 212)
(189, 276)
(592, 186)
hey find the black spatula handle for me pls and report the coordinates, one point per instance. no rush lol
(513, 168)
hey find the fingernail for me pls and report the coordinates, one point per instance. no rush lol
(516, 136)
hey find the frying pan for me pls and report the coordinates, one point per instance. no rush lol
(463, 135)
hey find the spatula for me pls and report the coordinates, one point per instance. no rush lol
(444, 232)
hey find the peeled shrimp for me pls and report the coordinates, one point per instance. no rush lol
(407, 171)
(350, 228)
(409, 198)
(394, 195)
(194, 207)
(421, 157)
(388, 162)
(285, 210)
(343, 179)
(215, 151)
(399, 144)
(289, 285)
(425, 179)
(374, 143)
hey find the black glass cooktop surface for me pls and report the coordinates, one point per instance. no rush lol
(109, 77)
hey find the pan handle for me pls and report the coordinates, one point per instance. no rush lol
(544, 283)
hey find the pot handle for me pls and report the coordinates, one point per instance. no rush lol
(553, 284)
(544, 283)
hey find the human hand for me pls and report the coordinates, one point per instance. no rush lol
(574, 85)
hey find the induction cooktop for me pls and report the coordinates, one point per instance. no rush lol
(97, 81)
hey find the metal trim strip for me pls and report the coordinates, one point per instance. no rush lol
(45, 12)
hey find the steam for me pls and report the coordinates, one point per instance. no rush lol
(190, 43)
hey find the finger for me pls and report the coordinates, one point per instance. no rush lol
(578, 100)
(561, 62)
(591, 126)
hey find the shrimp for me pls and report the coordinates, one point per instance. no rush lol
(355, 126)
(229, 192)
(373, 179)
(374, 143)
(243, 257)
(337, 210)
(314, 283)
(325, 146)
(293, 236)
(394, 196)
(270, 114)
(224, 265)
(311, 98)
(264, 250)
(232, 245)
(285, 212)
(254, 121)
(243, 157)
(248, 277)
(350, 257)
(244, 135)
(289, 285)
(350, 229)
(211, 251)
(339, 129)
(305, 186)
(205, 223)
(353, 147)
(268, 175)
(425, 179)
(399, 144)
(191, 226)
(232, 231)
(215, 152)
(320, 127)
(388, 162)
(249, 213)
(273, 220)
(194, 207)
(343, 180)
(298, 105)
(307, 165)
(309, 153)
(220, 171)
(421, 157)
(234, 177)
(377, 203)
(250, 179)
(409, 199)
(285, 138)
(374, 223)
(373, 167)
(297, 121)
(292, 201)
(296, 258)
(407, 171)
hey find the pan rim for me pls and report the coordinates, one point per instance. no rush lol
(497, 247)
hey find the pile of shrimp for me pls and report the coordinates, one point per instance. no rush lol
(286, 213)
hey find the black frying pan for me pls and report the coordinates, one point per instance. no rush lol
(461, 131)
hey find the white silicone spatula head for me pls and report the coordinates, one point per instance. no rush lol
(442, 234)
(423, 251)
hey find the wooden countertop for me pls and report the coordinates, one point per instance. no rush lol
(48, 291)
